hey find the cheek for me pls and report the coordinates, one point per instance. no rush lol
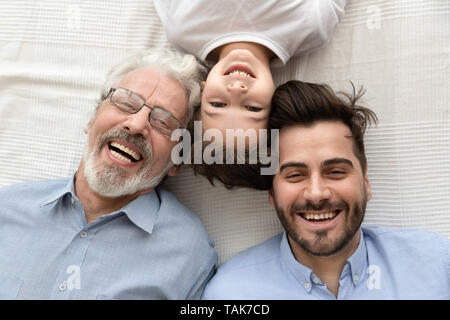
(211, 81)
(287, 194)
(105, 118)
(267, 84)
(263, 94)
(350, 191)
(161, 148)
(212, 123)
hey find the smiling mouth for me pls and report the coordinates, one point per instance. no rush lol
(123, 153)
(239, 69)
(322, 216)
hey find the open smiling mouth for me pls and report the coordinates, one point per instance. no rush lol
(322, 216)
(123, 153)
(239, 70)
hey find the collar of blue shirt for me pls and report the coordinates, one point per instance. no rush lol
(356, 265)
(144, 219)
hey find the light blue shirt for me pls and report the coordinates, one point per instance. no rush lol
(152, 248)
(388, 264)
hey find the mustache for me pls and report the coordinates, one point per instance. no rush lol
(321, 206)
(134, 139)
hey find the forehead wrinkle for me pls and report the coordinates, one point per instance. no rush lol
(170, 91)
(154, 89)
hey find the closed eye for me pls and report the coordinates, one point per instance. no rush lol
(253, 109)
(161, 122)
(336, 173)
(216, 104)
(295, 177)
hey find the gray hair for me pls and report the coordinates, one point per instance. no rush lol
(184, 68)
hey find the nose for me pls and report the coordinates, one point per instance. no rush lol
(138, 123)
(237, 87)
(316, 191)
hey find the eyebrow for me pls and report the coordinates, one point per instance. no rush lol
(328, 162)
(337, 161)
(293, 165)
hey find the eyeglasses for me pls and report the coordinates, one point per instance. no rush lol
(130, 102)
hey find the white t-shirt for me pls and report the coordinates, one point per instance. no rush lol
(287, 27)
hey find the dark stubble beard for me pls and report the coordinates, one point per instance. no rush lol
(320, 246)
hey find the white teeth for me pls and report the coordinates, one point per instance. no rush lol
(242, 73)
(119, 156)
(325, 215)
(135, 156)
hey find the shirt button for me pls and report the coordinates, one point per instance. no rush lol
(307, 285)
(63, 286)
(355, 278)
(316, 280)
(83, 234)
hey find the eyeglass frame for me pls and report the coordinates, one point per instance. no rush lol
(111, 92)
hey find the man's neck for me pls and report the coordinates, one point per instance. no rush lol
(95, 205)
(329, 268)
(261, 52)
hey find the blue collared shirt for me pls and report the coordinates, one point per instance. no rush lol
(152, 248)
(388, 264)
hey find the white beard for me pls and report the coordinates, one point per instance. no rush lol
(110, 180)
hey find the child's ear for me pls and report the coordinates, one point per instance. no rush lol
(202, 85)
(87, 127)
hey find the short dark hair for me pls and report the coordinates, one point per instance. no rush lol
(301, 103)
(235, 175)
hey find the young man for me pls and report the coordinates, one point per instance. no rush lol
(320, 193)
(109, 232)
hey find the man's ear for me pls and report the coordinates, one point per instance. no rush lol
(202, 85)
(271, 201)
(173, 171)
(367, 185)
(88, 126)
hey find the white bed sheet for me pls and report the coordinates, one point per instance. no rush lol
(54, 55)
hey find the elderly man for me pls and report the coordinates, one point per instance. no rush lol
(320, 193)
(109, 232)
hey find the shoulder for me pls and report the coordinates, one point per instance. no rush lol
(411, 259)
(252, 257)
(171, 207)
(416, 244)
(183, 234)
(242, 273)
(178, 220)
(417, 238)
(23, 202)
(38, 190)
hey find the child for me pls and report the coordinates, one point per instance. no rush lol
(243, 38)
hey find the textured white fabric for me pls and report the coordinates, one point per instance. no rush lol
(287, 27)
(54, 55)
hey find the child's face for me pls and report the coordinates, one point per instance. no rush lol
(237, 93)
